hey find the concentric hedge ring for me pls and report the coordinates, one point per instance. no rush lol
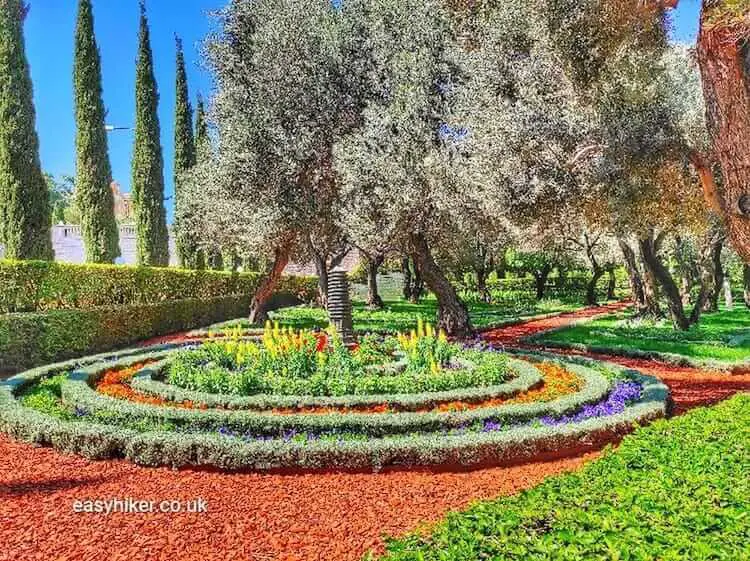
(527, 377)
(76, 391)
(389, 437)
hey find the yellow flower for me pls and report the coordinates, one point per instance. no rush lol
(442, 337)
(420, 327)
(434, 368)
(428, 330)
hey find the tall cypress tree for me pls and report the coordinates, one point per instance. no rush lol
(201, 147)
(24, 194)
(201, 129)
(93, 171)
(152, 245)
(184, 154)
(212, 258)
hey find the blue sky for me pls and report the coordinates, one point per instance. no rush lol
(49, 46)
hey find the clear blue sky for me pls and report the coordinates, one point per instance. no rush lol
(49, 45)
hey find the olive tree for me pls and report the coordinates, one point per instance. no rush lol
(285, 92)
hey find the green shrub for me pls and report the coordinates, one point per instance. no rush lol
(523, 377)
(77, 392)
(33, 286)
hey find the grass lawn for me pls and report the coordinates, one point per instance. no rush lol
(674, 490)
(723, 336)
(400, 315)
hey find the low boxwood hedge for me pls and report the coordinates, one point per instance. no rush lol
(77, 392)
(95, 440)
(525, 377)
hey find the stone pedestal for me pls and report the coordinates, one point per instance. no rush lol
(340, 305)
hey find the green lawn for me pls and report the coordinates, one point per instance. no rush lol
(400, 315)
(723, 336)
(675, 490)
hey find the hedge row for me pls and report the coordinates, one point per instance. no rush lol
(77, 392)
(99, 441)
(31, 339)
(33, 286)
(628, 352)
(525, 377)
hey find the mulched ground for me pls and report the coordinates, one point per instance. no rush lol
(261, 517)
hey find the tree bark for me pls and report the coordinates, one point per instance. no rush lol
(746, 284)
(321, 268)
(453, 316)
(258, 312)
(540, 280)
(611, 283)
(666, 283)
(717, 276)
(417, 284)
(597, 274)
(634, 276)
(406, 271)
(725, 71)
(374, 301)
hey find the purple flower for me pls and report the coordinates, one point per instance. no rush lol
(491, 426)
(623, 393)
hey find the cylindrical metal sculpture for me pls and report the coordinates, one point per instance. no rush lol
(340, 306)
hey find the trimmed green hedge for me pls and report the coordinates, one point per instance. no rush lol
(525, 378)
(34, 286)
(95, 440)
(77, 392)
(28, 340)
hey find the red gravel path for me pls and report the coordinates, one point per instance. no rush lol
(261, 517)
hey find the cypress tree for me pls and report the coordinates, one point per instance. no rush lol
(201, 129)
(212, 258)
(24, 195)
(152, 244)
(93, 170)
(201, 146)
(184, 154)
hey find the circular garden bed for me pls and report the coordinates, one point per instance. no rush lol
(302, 400)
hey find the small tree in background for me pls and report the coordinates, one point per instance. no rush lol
(24, 195)
(152, 246)
(184, 156)
(93, 193)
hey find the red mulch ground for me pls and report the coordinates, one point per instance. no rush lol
(262, 517)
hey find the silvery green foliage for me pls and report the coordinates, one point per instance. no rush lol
(683, 93)
(525, 119)
(284, 93)
(395, 170)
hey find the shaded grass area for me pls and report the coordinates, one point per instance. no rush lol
(400, 315)
(674, 490)
(722, 336)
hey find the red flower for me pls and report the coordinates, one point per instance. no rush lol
(322, 342)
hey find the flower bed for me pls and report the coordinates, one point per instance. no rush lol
(542, 407)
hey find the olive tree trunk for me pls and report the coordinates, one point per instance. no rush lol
(540, 280)
(267, 285)
(453, 316)
(725, 70)
(374, 301)
(634, 276)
